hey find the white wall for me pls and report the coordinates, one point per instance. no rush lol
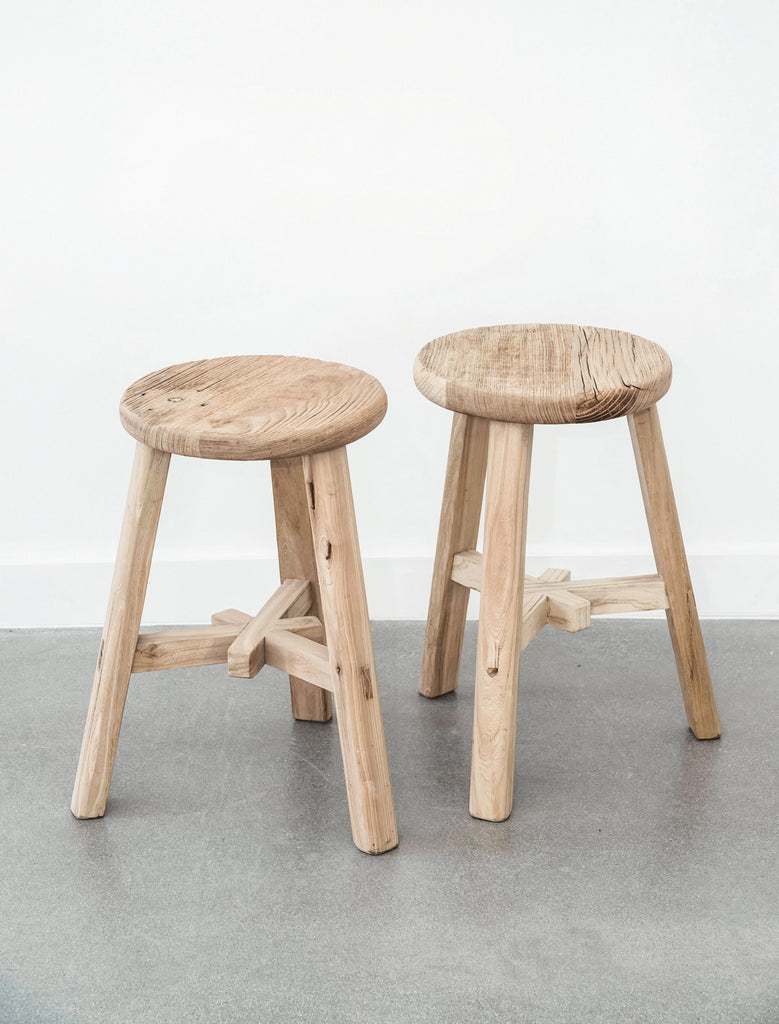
(349, 180)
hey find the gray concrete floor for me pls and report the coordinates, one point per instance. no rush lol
(636, 880)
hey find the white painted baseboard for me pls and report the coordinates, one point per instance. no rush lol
(741, 583)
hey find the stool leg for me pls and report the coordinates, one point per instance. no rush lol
(500, 621)
(345, 612)
(296, 561)
(671, 563)
(120, 633)
(458, 531)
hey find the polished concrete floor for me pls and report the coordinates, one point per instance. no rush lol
(636, 880)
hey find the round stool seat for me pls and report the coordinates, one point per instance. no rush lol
(252, 407)
(543, 373)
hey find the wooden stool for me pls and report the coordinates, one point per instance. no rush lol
(299, 414)
(499, 381)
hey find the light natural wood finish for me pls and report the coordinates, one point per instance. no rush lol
(543, 373)
(552, 576)
(183, 648)
(515, 376)
(231, 617)
(617, 594)
(500, 621)
(671, 560)
(563, 609)
(249, 408)
(353, 670)
(467, 569)
(567, 610)
(296, 560)
(535, 615)
(298, 654)
(206, 645)
(288, 645)
(309, 626)
(120, 633)
(252, 407)
(246, 654)
(606, 596)
(458, 529)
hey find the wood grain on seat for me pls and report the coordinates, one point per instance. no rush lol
(543, 373)
(252, 407)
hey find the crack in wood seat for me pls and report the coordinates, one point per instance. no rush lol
(543, 373)
(252, 407)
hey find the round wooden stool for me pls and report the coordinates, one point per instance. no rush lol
(299, 414)
(499, 381)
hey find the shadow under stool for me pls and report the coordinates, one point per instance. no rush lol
(299, 414)
(499, 382)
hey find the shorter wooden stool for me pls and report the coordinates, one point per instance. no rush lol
(299, 414)
(499, 382)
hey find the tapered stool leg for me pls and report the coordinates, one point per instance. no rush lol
(671, 562)
(345, 613)
(500, 620)
(296, 561)
(120, 633)
(458, 531)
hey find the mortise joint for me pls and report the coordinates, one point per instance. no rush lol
(365, 678)
(493, 658)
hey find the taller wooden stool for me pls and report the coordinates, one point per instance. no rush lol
(299, 414)
(499, 382)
